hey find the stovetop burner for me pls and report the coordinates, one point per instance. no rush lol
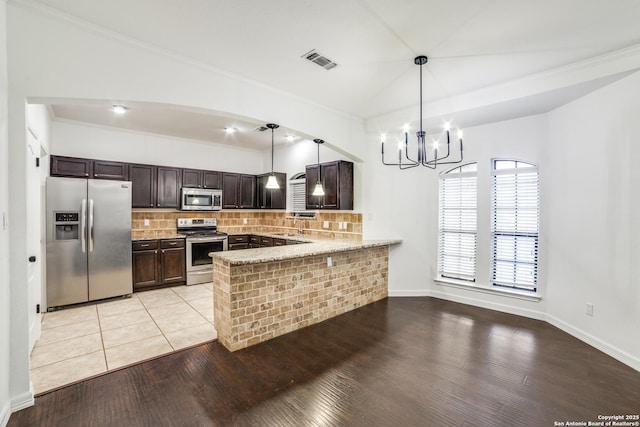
(199, 227)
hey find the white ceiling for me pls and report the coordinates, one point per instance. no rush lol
(472, 45)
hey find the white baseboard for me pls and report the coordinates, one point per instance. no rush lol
(401, 293)
(603, 346)
(504, 308)
(5, 413)
(22, 401)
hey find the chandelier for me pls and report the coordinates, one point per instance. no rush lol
(426, 156)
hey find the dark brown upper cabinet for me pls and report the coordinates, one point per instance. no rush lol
(271, 198)
(196, 178)
(103, 169)
(168, 187)
(212, 179)
(75, 167)
(71, 167)
(143, 185)
(192, 178)
(238, 191)
(337, 181)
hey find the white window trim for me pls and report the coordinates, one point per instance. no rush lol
(488, 289)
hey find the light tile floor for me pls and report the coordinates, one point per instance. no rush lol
(81, 342)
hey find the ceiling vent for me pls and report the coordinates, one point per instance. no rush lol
(319, 59)
(260, 129)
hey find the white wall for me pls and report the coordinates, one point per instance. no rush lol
(81, 140)
(54, 57)
(593, 220)
(5, 397)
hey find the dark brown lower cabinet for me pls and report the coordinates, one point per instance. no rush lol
(158, 263)
(173, 266)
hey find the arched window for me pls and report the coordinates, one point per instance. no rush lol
(515, 210)
(457, 223)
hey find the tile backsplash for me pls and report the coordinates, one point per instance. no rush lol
(162, 223)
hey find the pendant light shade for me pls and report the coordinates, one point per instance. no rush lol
(318, 190)
(272, 182)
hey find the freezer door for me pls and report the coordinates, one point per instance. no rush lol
(66, 242)
(109, 238)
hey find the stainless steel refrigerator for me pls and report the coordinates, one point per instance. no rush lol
(88, 240)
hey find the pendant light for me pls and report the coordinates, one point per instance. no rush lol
(318, 190)
(272, 182)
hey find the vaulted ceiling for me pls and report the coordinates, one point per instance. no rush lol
(472, 45)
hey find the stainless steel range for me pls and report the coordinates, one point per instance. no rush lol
(202, 237)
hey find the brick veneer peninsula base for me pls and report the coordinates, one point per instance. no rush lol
(256, 302)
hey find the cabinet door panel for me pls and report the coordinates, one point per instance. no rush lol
(230, 183)
(212, 179)
(169, 183)
(70, 166)
(103, 169)
(329, 177)
(143, 186)
(247, 191)
(173, 265)
(192, 178)
(313, 202)
(145, 269)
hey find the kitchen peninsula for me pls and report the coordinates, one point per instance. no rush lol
(259, 294)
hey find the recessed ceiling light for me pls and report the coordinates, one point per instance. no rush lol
(230, 130)
(119, 109)
(291, 138)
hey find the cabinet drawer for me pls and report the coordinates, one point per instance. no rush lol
(254, 239)
(238, 238)
(279, 242)
(144, 245)
(238, 246)
(171, 243)
(266, 241)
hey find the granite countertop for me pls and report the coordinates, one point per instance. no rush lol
(313, 247)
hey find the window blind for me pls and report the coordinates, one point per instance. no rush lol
(297, 195)
(457, 225)
(514, 228)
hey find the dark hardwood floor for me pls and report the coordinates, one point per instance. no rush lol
(397, 362)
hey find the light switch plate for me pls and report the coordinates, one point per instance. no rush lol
(244, 221)
(146, 222)
(325, 224)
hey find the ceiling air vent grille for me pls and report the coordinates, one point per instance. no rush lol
(319, 59)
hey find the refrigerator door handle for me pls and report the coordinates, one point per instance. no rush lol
(83, 226)
(90, 225)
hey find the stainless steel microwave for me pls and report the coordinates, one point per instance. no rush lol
(201, 199)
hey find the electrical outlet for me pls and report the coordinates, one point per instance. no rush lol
(245, 221)
(146, 222)
(589, 309)
(344, 225)
(340, 225)
(325, 224)
(329, 262)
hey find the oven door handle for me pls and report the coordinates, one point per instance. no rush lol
(206, 239)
